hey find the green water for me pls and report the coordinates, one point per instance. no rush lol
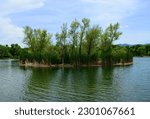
(130, 83)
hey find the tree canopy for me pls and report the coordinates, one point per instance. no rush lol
(77, 44)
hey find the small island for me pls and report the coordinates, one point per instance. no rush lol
(79, 45)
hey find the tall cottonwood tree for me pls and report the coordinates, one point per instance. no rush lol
(29, 38)
(74, 39)
(108, 37)
(62, 41)
(83, 28)
(92, 38)
(38, 41)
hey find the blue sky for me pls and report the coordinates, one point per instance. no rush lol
(133, 16)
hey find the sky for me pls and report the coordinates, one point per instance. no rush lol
(133, 16)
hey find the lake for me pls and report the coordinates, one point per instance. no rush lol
(128, 83)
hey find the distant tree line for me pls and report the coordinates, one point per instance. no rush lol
(140, 50)
(10, 52)
(78, 44)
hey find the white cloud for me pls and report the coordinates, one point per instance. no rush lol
(108, 11)
(56, 12)
(14, 6)
(9, 32)
(105, 12)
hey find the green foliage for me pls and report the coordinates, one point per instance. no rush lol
(92, 37)
(108, 37)
(83, 28)
(15, 50)
(74, 40)
(4, 51)
(62, 42)
(121, 55)
(38, 42)
(36, 39)
(140, 50)
(55, 55)
(80, 44)
(25, 55)
(76, 45)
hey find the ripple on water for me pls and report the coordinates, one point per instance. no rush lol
(75, 84)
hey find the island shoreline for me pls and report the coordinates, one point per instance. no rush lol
(29, 64)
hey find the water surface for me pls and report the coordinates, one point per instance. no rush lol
(129, 83)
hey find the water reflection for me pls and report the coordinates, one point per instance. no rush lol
(65, 84)
(105, 89)
(75, 84)
(38, 85)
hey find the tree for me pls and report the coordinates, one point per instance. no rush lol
(29, 38)
(37, 39)
(85, 25)
(62, 41)
(108, 37)
(4, 51)
(92, 36)
(119, 55)
(141, 51)
(15, 50)
(43, 40)
(81, 44)
(147, 47)
(38, 42)
(74, 36)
